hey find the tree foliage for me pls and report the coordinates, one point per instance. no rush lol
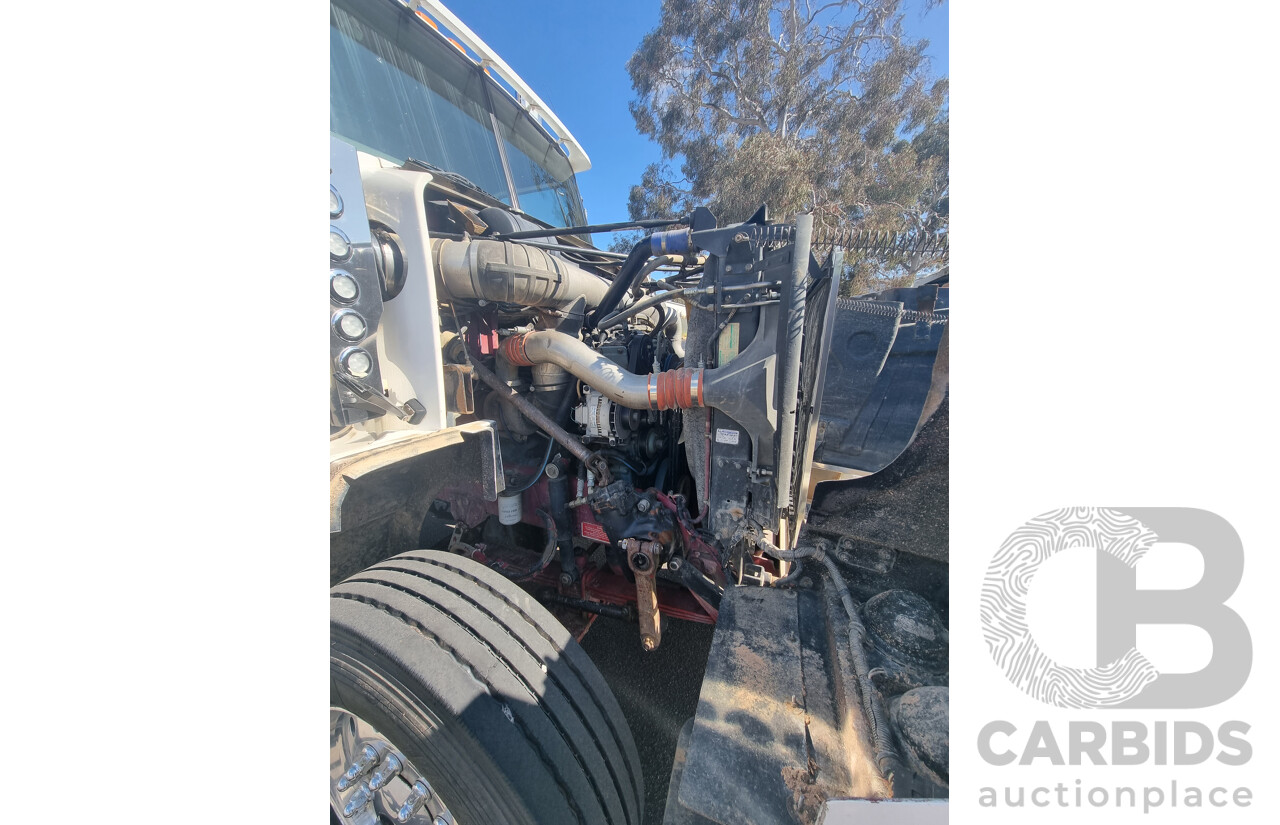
(798, 104)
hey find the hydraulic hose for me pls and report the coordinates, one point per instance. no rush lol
(653, 265)
(791, 578)
(639, 306)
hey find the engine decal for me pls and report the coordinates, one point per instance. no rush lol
(593, 531)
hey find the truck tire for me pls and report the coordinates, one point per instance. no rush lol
(482, 694)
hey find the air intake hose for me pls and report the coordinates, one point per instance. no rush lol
(670, 390)
(512, 273)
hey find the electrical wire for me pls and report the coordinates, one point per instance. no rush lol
(547, 457)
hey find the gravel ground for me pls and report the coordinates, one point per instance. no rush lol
(658, 691)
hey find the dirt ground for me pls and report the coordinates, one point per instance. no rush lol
(658, 691)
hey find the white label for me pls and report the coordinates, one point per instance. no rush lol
(726, 436)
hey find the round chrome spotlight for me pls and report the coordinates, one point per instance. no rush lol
(339, 244)
(343, 288)
(349, 324)
(356, 362)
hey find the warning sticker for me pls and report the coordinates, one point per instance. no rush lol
(724, 436)
(593, 531)
(728, 344)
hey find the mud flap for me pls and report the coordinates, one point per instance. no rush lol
(771, 739)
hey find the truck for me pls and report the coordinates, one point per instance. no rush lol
(529, 434)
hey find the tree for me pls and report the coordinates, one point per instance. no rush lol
(798, 104)
(623, 241)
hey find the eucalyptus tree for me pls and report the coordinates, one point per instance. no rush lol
(800, 104)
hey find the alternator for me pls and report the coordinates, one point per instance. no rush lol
(595, 414)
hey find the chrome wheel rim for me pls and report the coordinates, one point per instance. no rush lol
(372, 783)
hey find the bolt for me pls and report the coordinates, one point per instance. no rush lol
(643, 505)
(740, 237)
(640, 561)
(648, 643)
(566, 579)
(674, 565)
(553, 471)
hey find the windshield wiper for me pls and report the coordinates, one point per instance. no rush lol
(461, 180)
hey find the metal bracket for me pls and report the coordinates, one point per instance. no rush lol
(642, 558)
(412, 411)
(459, 392)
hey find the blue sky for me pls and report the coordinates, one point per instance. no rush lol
(574, 54)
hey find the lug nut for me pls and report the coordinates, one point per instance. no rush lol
(362, 797)
(389, 768)
(368, 756)
(418, 796)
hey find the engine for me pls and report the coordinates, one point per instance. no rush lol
(648, 406)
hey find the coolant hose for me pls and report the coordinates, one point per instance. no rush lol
(621, 285)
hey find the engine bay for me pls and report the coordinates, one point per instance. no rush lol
(640, 405)
(656, 435)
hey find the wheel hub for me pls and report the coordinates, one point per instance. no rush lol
(371, 783)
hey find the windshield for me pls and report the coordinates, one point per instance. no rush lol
(399, 91)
